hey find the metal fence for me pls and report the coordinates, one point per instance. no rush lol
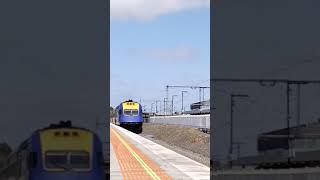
(197, 121)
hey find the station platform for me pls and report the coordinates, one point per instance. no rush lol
(135, 157)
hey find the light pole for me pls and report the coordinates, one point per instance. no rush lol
(164, 106)
(172, 103)
(182, 100)
(232, 96)
(157, 106)
(160, 107)
(152, 107)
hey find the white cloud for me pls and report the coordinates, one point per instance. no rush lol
(174, 54)
(179, 53)
(146, 10)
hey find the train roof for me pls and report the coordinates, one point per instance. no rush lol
(130, 101)
(120, 105)
(63, 124)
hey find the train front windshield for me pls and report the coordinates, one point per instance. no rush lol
(80, 160)
(56, 160)
(131, 112)
(67, 161)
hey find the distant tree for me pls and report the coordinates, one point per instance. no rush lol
(112, 112)
(5, 150)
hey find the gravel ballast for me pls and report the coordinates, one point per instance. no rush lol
(184, 140)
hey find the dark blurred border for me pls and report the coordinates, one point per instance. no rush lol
(212, 44)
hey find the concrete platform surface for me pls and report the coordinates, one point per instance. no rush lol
(149, 160)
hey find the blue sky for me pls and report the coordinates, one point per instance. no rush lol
(151, 50)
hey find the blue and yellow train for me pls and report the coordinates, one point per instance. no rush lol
(129, 116)
(59, 152)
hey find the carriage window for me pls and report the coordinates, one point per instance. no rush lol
(56, 160)
(135, 112)
(79, 160)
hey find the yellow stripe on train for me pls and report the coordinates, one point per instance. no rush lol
(130, 105)
(66, 139)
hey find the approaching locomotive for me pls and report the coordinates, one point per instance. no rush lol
(129, 116)
(59, 152)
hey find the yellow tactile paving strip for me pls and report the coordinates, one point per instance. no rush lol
(133, 163)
